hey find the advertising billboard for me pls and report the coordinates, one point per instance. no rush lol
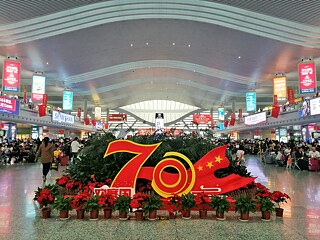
(9, 106)
(256, 119)
(11, 76)
(315, 106)
(221, 114)
(38, 88)
(251, 99)
(307, 78)
(280, 88)
(67, 100)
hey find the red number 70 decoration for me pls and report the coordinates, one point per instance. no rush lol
(198, 178)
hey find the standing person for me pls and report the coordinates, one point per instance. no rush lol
(46, 150)
(75, 148)
(240, 160)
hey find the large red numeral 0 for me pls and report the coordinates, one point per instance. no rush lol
(166, 184)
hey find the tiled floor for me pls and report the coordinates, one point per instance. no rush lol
(20, 219)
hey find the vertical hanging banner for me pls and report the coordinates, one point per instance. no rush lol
(11, 76)
(251, 98)
(275, 100)
(307, 78)
(79, 112)
(280, 88)
(67, 100)
(291, 95)
(232, 120)
(240, 113)
(45, 99)
(221, 114)
(24, 95)
(97, 113)
(38, 88)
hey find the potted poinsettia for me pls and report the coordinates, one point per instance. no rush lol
(266, 205)
(151, 204)
(202, 201)
(221, 205)
(107, 201)
(78, 203)
(244, 205)
(173, 205)
(137, 205)
(187, 202)
(45, 198)
(279, 198)
(63, 204)
(122, 205)
(93, 206)
(54, 191)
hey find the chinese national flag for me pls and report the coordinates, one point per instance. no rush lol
(42, 110)
(226, 123)
(275, 111)
(86, 121)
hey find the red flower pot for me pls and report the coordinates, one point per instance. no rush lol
(244, 216)
(123, 215)
(203, 213)
(266, 215)
(186, 214)
(46, 212)
(64, 214)
(139, 215)
(153, 215)
(94, 214)
(279, 212)
(107, 213)
(80, 214)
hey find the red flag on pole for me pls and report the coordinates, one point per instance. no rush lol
(232, 121)
(275, 111)
(226, 123)
(42, 110)
(86, 121)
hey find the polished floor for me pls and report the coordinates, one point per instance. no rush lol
(20, 216)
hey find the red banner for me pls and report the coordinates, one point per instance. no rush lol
(37, 97)
(291, 95)
(42, 110)
(202, 118)
(307, 78)
(275, 100)
(44, 99)
(24, 94)
(11, 76)
(226, 123)
(79, 112)
(117, 117)
(275, 111)
(240, 113)
(7, 105)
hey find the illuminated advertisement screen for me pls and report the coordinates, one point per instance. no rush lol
(307, 78)
(38, 87)
(256, 119)
(221, 114)
(315, 106)
(11, 76)
(280, 88)
(67, 100)
(251, 99)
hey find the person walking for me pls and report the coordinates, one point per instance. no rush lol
(45, 150)
(75, 148)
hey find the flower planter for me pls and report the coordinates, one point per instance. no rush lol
(266, 215)
(80, 214)
(220, 216)
(94, 214)
(139, 215)
(107, 213)
(64, 214)
(279, 212)
(244, 216)
(123, 215)
(46, 212)
(172, 215)
(153, 215)
(203, 213)
(186, 214)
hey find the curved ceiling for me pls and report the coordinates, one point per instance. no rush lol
(200, 53)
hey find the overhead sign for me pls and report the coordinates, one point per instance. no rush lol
(159, 121)
(202, 118)
(38, 88)
(117, 117)
(11, 76)
(307, 78)
(97, 113)
(62, 117)
(291, 95)
(256, 119)
(67, 100)
(9, 106)
(221, 114)
(251, 99)
(280, 88)
(315, 106)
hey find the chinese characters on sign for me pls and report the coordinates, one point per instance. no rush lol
(307, 78)
(11, 76)
(280, 88)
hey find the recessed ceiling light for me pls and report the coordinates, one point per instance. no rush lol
(147, 43)
(194, 70)
(239, 57)
(131, 45)
(47, 63)
(173, 44)
(189, 45)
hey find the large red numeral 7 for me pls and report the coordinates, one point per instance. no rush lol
(128, 174)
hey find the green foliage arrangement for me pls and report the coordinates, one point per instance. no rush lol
(62, 203)
(220, 204)
(187, 201)
(151, 202)
(244, 203)
(122, 203)
(93, 203)
(266, 204)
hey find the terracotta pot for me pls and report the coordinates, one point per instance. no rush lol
(153, 215)
(80, 214)
(203, 213)
(123, 215)
(186, 214)
(220, 215)
(279, 212)
(139, 215)
(266, 215)
(46, 211)
(94, 214)
(64, 214)
(40, 205)
(107, 213)
(244, 216)
(172, 215)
